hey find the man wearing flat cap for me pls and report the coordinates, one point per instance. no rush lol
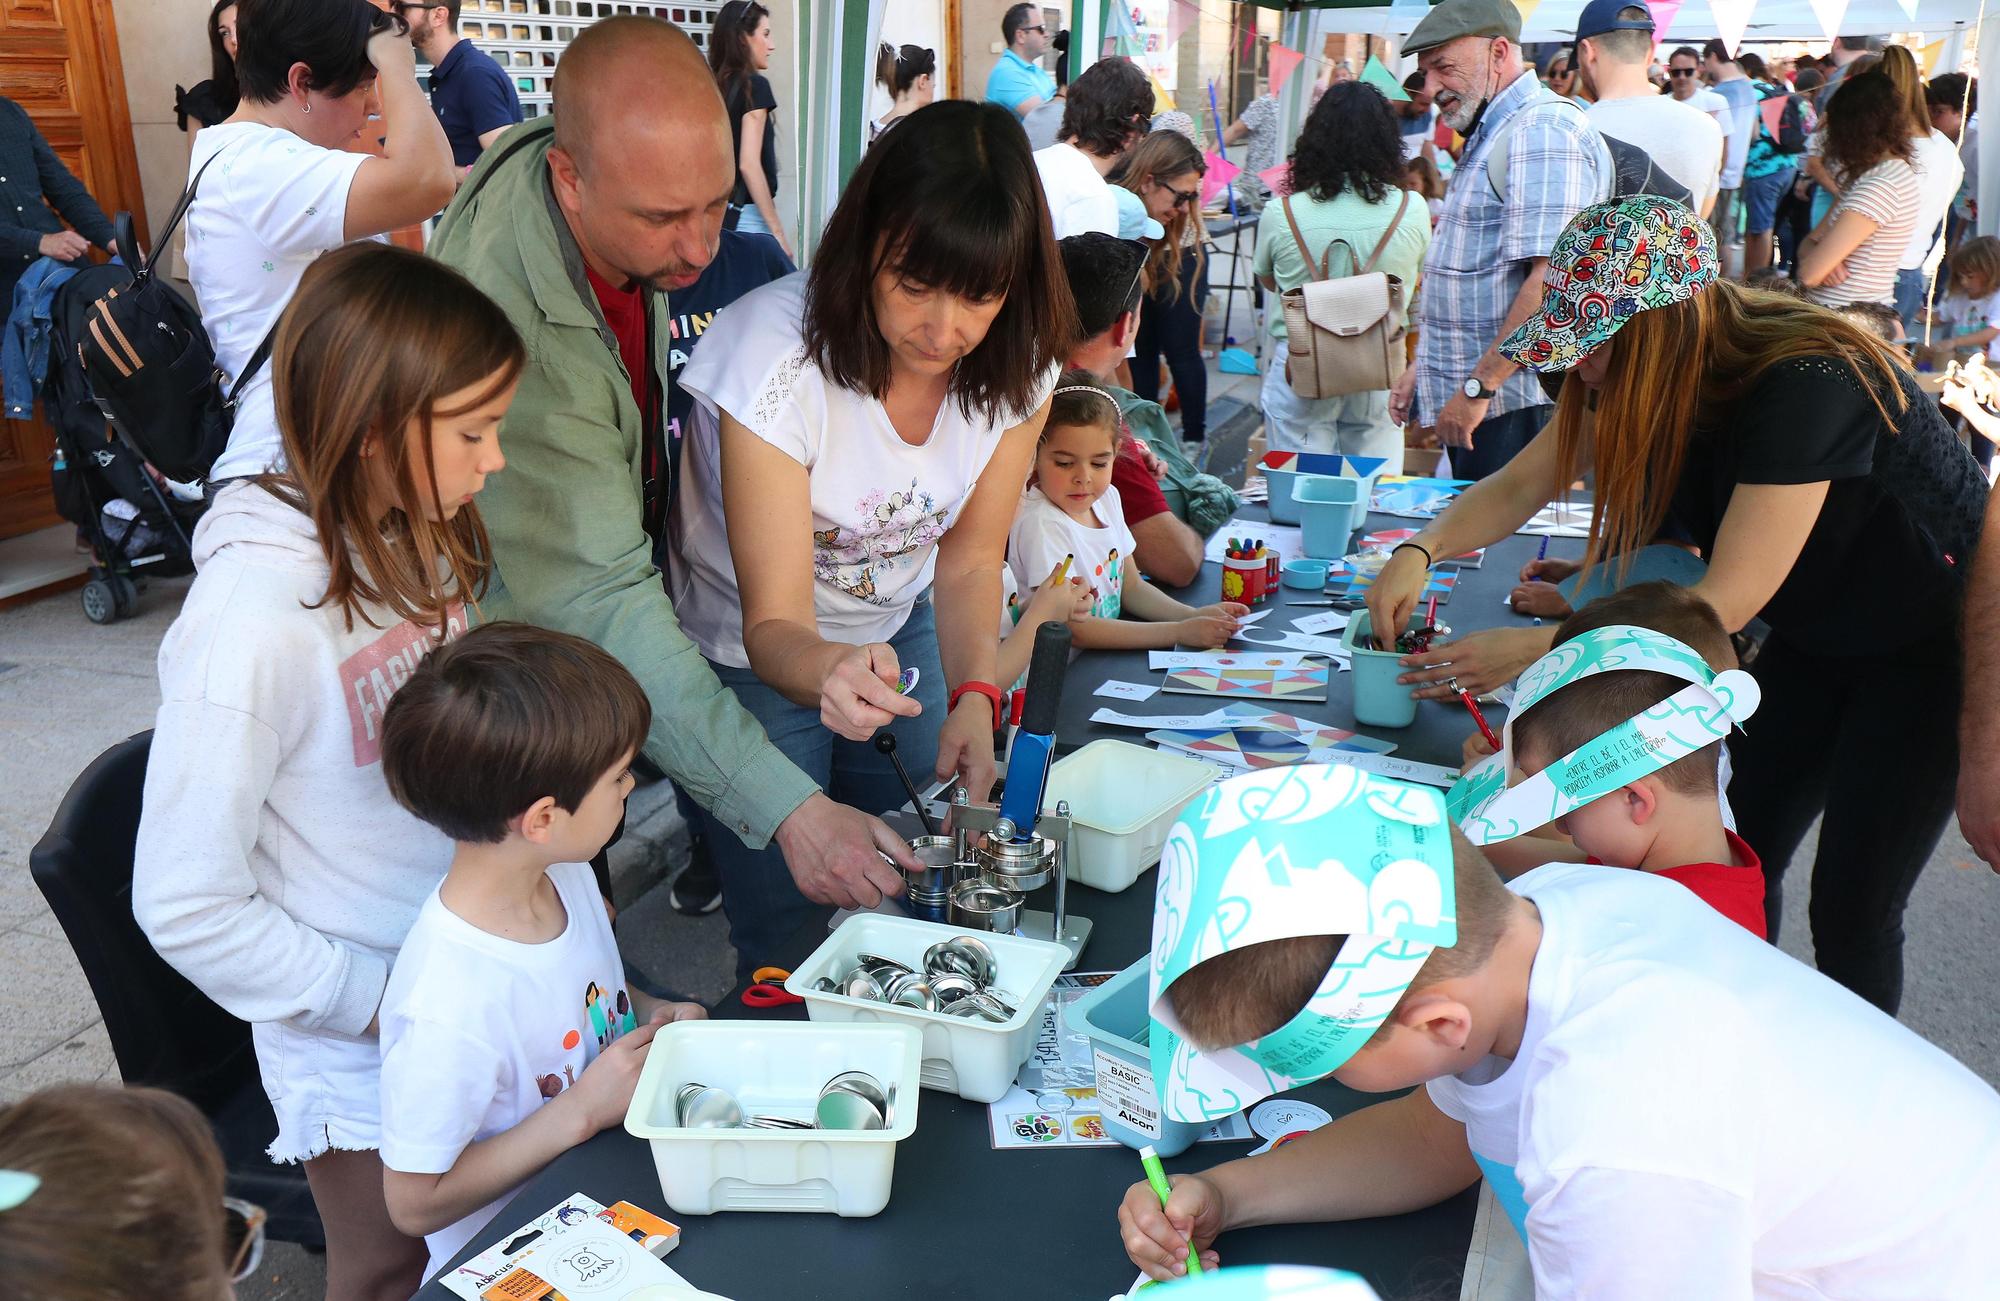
(1483, 275)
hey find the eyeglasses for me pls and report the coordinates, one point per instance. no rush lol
(1681, 72)
(243, 1234)
(1182, 198)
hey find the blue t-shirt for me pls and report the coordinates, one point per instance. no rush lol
(471, 95)
(1014, 79)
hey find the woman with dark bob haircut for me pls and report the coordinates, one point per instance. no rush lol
(1347, 201)
(860, 439)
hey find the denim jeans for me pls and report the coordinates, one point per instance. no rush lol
(1355, 425)
(1173, 330)
(1496, 440)
(1910, 300)
(750, 220)
(763, 905)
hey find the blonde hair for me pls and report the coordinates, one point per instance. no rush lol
(1900, 66)
(1160, 154)
(373, 341)
(130, 1202)
(1647, 411)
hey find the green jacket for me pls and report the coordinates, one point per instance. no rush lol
(569, 543)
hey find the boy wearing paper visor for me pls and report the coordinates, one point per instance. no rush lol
(1667, 1107)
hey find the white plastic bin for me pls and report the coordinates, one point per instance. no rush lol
(774, 1068)
(977, 1060)
(1123, 799)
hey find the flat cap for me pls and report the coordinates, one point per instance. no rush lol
(1452, 19)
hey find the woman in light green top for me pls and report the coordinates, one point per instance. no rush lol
(1346, 184)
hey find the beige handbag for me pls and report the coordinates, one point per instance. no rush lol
(1344, 335)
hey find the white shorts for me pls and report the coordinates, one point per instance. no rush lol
(326, 1089)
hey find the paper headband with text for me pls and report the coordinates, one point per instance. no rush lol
(1488, 810)
(1311, 849)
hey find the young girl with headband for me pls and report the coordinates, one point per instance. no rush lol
(1071, 509)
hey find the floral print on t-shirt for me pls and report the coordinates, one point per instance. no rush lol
(902, 527)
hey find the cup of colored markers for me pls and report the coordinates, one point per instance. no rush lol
(1249, 571)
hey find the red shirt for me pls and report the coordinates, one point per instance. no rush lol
(1735, 892)
(625, 312)
(1139, 492)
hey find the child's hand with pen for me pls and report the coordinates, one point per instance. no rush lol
(1157, 1238)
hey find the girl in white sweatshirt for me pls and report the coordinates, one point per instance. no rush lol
(274, 870)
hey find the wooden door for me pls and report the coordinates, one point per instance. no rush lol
(59, 61)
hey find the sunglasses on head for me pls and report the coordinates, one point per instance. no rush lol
(242, 1237)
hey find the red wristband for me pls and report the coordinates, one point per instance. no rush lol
(987, 689)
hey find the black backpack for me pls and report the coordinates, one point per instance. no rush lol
(150, 365)
(1633, 170)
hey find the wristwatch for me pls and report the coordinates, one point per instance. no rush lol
(1478, 392)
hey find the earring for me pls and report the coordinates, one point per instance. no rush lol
(307, 108)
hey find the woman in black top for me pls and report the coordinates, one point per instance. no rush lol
(1829, 499)
(215, 99)
(739, 51)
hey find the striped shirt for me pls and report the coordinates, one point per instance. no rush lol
(1480, 251)
(1888, 194)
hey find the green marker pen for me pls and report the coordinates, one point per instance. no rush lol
(1157, 1176)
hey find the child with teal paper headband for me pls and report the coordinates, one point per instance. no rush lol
(1667, 1107)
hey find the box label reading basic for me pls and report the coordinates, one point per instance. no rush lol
(1125, 1094)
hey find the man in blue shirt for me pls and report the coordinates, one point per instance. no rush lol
(1017, 82)
(472, 95)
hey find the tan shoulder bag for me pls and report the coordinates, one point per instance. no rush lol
(1344, 334)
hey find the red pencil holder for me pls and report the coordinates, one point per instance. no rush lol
(1249, 581)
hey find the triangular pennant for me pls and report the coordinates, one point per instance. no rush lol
(1284, 61)
(1909, 9)
(1830, 13)
(1220, 173)
(1930, 56)
(1377, 74)
(1663, 12)
(1527, 8)
(1249, 44)
(1179, 14)
(1731, 18)
(1278, 180)
(1163, 99)
(1773, 110)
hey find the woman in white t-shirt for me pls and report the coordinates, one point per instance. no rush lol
(859, 440)
(1104, 112)
(293, 177)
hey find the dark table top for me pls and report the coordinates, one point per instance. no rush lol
(966, 1221)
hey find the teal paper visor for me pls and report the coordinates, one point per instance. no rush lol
(1488, 810)
(1311, 849)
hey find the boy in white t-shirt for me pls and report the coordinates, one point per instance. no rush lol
(1668, 1107)
(508, 1033)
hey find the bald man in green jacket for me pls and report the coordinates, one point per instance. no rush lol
(579, 231)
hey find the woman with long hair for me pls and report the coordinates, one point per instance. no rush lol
(1794, 449)
(1347, 185)
(1853, 254)
(1165, 169)
(1935, 157)
(209, 102)
(273, 869)
(276, 183)
(858, 444)
(909, 74)
(739, 53)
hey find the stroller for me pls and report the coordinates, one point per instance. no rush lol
(103, 485)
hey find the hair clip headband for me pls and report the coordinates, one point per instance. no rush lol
(17, 1186)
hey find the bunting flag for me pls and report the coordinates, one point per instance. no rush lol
(1163, 99)
(1377, 74)
(1250, 44)
(1278, 180)
(1284, 62)
(1930, 56)
(1663, 12)
(1731, 18)
(1220, 173)
(1909, 9)
(1773, 110)
(1179, 14)
(1527, 8)
(1830, 14)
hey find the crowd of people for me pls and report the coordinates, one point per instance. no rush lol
(602, 480)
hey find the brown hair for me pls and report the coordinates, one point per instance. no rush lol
(1637, 436)
(1867, 123)
(1245, 994)
(1662, 607)
(1979, 256)
(507, 715)
(1588, 708)
(1900, 67)
(1095, 409)
(130, 1203)
(1422, 175)
(375, 338)
(729, 49)
(1160, 154)
(950, 200)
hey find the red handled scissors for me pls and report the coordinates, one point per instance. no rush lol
(767, 988)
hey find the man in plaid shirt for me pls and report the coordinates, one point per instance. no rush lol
(1483, 275)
